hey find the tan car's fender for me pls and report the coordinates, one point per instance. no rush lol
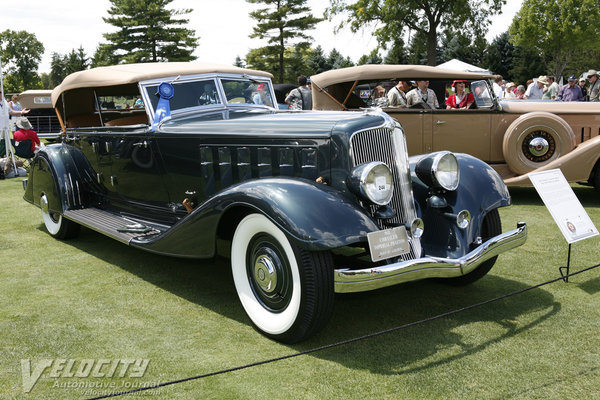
(522, 132)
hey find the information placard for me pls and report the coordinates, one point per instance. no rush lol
(559, 198)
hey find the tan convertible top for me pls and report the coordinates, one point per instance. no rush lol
(124, 74)
(389, 72)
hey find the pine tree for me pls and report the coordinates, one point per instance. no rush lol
(281, 22)
(147, 32)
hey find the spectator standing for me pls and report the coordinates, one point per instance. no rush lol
(570, 91)
(582, 82)
(497, 86)
(509, 91)
(535, 90)
(397, 95)
(15, 110)
(25, 132)
(301, 97)
(459, 100)
(594, 90)
(423, 95)
(552, 89)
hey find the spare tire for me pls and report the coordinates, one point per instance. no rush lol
(535, 139)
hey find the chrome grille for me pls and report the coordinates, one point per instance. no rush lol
(389, 146)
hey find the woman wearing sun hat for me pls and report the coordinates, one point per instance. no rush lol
(460, 100)
(25, 131)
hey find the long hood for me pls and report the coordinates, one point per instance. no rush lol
(302, 124)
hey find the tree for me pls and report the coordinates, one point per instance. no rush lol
(397, 53)
(557, 31)
(317, 61)
(371, 58)
(462, 45)
(281, 22)
(21, 55)
(392, 17)
(63, 65)
(499, 56)
(238, 62)
(147, 32)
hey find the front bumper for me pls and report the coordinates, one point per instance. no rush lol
(347, 280)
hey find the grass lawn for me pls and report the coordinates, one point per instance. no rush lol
(93, 298)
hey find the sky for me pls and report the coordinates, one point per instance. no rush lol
(223, 27)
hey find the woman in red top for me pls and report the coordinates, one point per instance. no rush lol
(26, 132)
(459, 100)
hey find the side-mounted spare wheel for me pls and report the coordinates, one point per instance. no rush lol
(535, 139)
(286, 291)
(56, 225)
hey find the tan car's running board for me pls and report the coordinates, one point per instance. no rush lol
(111, 224)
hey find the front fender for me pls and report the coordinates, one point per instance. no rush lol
(316, 216)
(480, 190)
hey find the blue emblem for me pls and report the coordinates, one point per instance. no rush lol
(166, 91)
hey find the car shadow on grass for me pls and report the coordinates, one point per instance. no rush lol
(433, 343)
(209, 284)
(587, 195)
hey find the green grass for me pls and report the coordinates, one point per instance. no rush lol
(94, 298)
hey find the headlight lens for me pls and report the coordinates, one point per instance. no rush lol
(373, 182)
(439, 170)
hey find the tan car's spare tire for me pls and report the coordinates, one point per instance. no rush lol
(535, 139)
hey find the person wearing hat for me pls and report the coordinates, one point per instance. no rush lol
(581, 83)
(535, 90)
(509, 90)
(570, 91)
(25, 132)
(552, 89)
(422, 96)
(594, 90)
(460, 100)
(397, 95)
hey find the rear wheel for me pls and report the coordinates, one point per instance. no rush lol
(490, 227)
(287, 292)
(56, 225)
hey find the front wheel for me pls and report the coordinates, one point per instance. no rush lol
(287, 292)
(56, 225)
(490, 227)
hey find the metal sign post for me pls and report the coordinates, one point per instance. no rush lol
(568, 213)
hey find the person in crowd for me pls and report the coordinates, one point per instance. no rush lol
(15, 110)
(497, 86)
(551, 90)
(509, 91)
(571, 91)
(460, 99)
(594, 89)
(25, 132)
(4, 117)
(422, 95)
(535, 90)
(301, 97)
(520, 92)
(397, 95)
(582, 82)
(379, 97)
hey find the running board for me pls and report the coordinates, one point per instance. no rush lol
(110, 224)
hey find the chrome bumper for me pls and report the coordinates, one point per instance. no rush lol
(361, 280)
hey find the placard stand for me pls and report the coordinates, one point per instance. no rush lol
(564, 275)
(566, 210)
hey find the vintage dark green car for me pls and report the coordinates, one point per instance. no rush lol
(183, 159)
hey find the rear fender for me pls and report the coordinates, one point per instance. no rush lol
(314, 215)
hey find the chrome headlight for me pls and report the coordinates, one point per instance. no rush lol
(373, 182)
(439, 170)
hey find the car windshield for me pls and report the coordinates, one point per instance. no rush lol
(240, 91)
(483, 98)
(188, 94)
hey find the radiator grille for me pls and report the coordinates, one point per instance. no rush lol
(389, 146)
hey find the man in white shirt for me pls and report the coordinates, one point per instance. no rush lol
(422, 94)
(397, 95)
(497, 86)
(535, 90)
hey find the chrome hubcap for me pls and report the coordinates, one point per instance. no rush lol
(265, 273)
(539, 146)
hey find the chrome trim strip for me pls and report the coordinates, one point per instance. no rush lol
(347, 280)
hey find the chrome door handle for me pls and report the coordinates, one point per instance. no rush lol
(440, 122)
(143, 144)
